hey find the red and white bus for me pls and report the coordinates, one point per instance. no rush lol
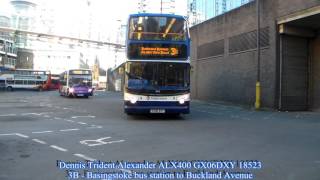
(27, 79)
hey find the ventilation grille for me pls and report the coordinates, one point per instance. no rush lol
(211, 49)
(247, 41)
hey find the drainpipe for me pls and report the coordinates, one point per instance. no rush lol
(258, 85)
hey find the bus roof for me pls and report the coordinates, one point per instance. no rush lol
(80, 69)
(32, 70)
(157, 15)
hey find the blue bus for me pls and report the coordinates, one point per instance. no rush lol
(157, 72)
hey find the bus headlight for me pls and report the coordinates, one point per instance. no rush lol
(133, 100)
(71, 90)
(131, 97)
(90, 90)
(183, 98)
(181, 101)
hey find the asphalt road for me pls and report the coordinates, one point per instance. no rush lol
(39, 128)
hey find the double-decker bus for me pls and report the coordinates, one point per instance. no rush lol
(27, 79)
(3, 83)
(157, 72)
(76, 83)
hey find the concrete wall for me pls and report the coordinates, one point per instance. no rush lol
(231, 76)
(285, 7)
(316, 73)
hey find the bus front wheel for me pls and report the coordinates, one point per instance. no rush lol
(9, 88)
(69, 94)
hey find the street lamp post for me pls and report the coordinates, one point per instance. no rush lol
(258, 85)
(2, 59)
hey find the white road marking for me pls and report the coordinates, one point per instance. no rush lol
(46, 116)
(82, 123)
(58, 148)
(99, 142)
(36, 114)
(84, 157)
(214, 113)
(39, 141)
(69, 120)
(65, 130)
(41, 132)
(30, 114)
(22, 135)
(8, 134)
(3, 115)
(74, 117)
(94, 127)
(57, 118)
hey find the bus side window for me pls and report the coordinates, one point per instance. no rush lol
(18, 82)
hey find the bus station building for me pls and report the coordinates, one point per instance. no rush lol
(224, 55)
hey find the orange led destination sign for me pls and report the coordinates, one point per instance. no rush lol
(150, 51)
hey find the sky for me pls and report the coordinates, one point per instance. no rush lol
(106, 13)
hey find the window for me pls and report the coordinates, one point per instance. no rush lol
(18, 82)
(31, 82)
(157, 28)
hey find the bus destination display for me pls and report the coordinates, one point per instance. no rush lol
(158, 51)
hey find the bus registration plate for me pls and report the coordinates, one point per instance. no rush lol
(160, 111)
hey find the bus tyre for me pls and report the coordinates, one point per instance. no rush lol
(69, 95)
(9, 88)
(175, 115)
(129, 114)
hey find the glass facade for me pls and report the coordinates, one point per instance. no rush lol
(8, 50)
(201, 10)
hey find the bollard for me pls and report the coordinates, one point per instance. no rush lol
(258, 96)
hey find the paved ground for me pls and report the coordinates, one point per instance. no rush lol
(39, 128)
